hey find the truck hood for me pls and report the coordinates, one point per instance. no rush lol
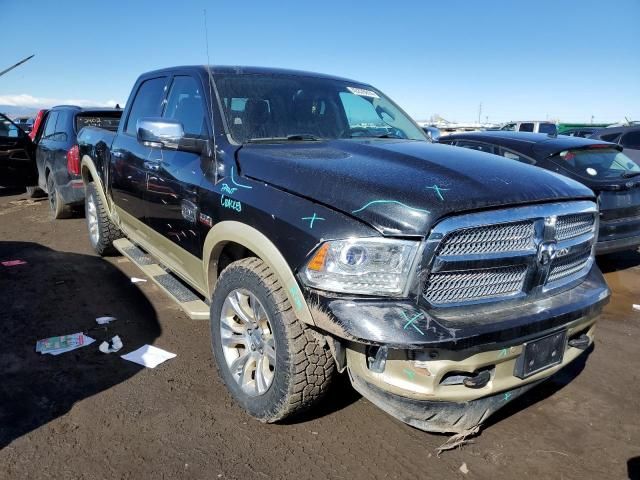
(402, 187)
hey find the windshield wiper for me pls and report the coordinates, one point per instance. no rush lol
(289, 138)
(630, 174)
(384, 135)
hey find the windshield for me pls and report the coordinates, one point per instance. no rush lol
(597, 163)
(260, 107)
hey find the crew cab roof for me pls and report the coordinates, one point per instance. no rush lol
(536, 145)
(241, 69)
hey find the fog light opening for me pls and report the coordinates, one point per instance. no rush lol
(477, 379)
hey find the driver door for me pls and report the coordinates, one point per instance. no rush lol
(17, 156)
(174, 177)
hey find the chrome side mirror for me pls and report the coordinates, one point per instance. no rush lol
(159, 132)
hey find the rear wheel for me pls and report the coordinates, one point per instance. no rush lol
(34, 192)
(102, 231)
(56, 204)
(273, 365)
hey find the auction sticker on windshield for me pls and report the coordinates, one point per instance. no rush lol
(363, 92)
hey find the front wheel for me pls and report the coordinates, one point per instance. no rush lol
(273, 365)
(102, 231)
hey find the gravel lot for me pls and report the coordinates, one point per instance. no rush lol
(84, 414)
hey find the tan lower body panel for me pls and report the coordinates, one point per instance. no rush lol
(186, 266)
(421, 380)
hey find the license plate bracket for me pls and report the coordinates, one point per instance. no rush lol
(541, 354)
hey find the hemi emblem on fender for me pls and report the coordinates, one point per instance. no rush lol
(205, 219)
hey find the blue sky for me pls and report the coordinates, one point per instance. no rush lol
(565, 60)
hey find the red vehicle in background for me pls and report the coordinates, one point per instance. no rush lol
(37, 124)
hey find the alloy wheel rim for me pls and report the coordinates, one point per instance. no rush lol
(92, 220)
(52, 197)
(248, 343)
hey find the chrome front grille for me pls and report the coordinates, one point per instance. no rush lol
(470, 285)
(509, 253)
(568, 266)
(508, 237)
(571, 226)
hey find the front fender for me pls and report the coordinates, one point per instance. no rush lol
(232, 231)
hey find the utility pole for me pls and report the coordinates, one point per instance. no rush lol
(16, 65)
(479, 112)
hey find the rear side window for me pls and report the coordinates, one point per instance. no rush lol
(526, 127)
(185, 103)
(62, 123)
(147, 102)
(50, 127)
(610, 137)
(631, 140)
(549, 128)
(482, 147)
(516, 156)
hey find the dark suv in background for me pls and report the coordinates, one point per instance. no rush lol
(57, 155)
(626, 137)
(601, 166)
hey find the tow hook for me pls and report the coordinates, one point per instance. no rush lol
(582, 342)
(479, 381)
(377, 359)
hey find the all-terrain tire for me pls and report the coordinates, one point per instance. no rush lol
(56, 204)
(304, 366)
(106, 231)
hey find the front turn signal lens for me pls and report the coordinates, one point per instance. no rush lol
(317, 262)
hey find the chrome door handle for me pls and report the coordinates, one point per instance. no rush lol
(154, 166)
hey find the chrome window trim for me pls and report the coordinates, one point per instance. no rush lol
(544, 217)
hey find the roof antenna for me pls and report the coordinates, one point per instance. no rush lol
(210, 75)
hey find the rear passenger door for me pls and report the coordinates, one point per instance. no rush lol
(174, 179)
(44, 147)
(58, 145)
(129, 158)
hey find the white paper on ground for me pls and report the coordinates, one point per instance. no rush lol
(87, 341)
(137, 280)
(148, 356)
(105, 320)
(636, 307)
(116, 343)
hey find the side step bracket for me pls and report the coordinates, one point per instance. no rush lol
(189, 301)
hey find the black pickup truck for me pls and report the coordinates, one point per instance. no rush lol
(311, 220)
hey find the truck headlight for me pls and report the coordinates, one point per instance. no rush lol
(373, 266)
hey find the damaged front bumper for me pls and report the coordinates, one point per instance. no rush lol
(448, 373)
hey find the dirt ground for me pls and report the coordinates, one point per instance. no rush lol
(88, 415)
